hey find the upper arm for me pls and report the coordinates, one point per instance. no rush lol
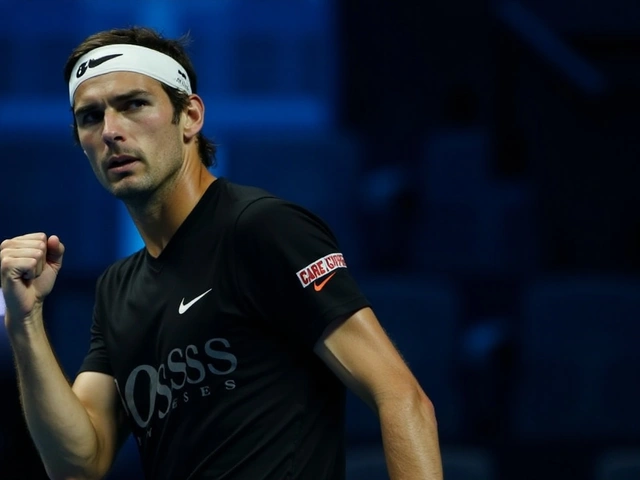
(291, 270)
(361, 354)
(98, 394)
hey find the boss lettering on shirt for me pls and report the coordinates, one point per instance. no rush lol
(320, 268)
(185, 368)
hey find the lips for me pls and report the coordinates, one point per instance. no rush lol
(120, 160)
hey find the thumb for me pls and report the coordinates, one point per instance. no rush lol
(55, 252)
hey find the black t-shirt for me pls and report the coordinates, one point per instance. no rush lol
(211, 343)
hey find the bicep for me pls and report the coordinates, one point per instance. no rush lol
(362, 355)
(98, 394)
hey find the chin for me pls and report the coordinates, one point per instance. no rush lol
(130, 191)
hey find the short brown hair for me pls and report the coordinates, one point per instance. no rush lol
(146, 37)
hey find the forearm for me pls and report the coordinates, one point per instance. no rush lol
(58, 423)
(410, 437)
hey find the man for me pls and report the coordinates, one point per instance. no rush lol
(224, 345)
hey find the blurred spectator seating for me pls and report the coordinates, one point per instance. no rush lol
(580, 360)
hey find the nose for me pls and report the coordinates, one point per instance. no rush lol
(111, 128)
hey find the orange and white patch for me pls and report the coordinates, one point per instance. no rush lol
(321, 267)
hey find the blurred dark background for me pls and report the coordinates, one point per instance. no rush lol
(477, 160)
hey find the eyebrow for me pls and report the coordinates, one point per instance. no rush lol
(124, 97)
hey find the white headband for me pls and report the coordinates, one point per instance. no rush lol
(129, 58)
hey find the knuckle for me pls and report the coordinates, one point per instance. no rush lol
(6, 243)
(5, 263)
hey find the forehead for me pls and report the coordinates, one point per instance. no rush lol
(102, 87)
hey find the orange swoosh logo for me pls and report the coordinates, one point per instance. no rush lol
(319, 286)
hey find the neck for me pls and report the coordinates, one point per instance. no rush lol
(159, 217)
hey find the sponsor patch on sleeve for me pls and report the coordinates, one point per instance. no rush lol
(320, 268)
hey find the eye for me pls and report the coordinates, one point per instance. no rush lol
(135, 104)
(90, 118)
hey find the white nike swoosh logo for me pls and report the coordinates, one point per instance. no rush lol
(184, 307)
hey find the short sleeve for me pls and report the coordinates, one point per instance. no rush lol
(291, 270)
(96, 359)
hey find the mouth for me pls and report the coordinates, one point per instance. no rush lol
(119, 161)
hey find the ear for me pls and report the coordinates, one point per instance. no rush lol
(194, 117)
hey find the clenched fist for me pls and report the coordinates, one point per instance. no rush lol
(29, 266)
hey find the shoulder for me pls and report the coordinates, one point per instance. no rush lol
(253, 207)
(238, 197)
(235, 199)
(275, 215)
